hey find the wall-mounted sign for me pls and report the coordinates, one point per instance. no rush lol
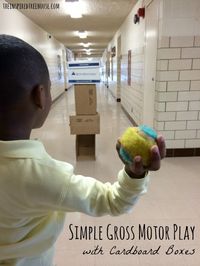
(83, 72)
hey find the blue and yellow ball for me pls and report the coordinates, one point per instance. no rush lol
(137, 141)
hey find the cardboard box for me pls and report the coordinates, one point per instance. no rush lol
(85, 147)
(85, 99)
(84, 124)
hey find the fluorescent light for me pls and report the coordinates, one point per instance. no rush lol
(88, 51)
(76, 14)
(74, 9)
(85, 44)
(82, 34)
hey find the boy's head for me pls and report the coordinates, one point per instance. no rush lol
(24, 82)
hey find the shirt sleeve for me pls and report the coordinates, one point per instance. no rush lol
(65, 191)
(90, 196)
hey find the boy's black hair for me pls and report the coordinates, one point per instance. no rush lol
(22, 68)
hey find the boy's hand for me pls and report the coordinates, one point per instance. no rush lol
(137, 169)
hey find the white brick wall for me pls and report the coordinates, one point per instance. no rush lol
(159, 125)
(167, 96)
(192, 143)
(171, 144)
(167, 53)
(162, 64)
(177, 96)
(190, 115)
(177, 110)
(181, 41)
(166, 116)
(167, 134)
(194, 106)
(189, 96)
(160, 107)
(197, 41)
(178, 86)
(196, 64)
(185, 134)
(161, 86)
(195, 85)
(190, 52)
(180, 64)
(168, 75)
(190, 75)
(193, 125)
(175, 125)
(176, 106)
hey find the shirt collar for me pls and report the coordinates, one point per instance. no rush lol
(22, 149)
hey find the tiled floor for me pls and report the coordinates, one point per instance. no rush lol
(170, 210)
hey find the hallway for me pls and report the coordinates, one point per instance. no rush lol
(171, 203)
(149, 56)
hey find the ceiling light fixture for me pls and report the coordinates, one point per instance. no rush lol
(85, 44)
(76, 14)
(74, 9)
(82, 34)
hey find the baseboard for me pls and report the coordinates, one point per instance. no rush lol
(58, 97)
(184, 152)
(129, 117)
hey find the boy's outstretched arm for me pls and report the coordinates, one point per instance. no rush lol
(62, 190)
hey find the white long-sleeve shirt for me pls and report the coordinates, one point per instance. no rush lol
(35, 193)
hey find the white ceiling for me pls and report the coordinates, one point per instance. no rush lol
(101, 19)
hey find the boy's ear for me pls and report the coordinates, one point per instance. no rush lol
(38, 94)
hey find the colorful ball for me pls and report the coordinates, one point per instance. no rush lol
(137, 141)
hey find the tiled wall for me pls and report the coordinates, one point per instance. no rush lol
(132, 96)
(178, 91)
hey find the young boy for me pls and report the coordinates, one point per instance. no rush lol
(35, 189)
